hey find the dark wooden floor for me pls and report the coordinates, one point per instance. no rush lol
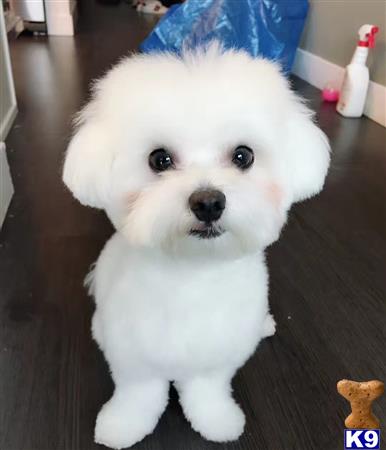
(328, 277)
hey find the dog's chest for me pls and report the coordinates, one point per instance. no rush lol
(181, 315)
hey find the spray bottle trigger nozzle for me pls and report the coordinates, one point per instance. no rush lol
(367, 35)
(371, 36)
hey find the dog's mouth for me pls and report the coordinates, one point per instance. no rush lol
(207, 231)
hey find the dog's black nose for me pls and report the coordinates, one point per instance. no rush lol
(207, 205)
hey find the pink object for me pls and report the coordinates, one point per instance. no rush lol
(330, 94)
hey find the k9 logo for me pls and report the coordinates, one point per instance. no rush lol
(361, 439)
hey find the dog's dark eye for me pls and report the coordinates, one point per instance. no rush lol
(243, 157)
(160, 160)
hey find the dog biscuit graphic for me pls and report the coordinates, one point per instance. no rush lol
(361, 396)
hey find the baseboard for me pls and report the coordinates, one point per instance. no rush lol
(375, 107)
(318, 71)
(6, 185)
(7, 122)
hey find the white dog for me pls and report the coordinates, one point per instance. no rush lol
(196, 161)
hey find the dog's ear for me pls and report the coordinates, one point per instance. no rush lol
(304, 150)
(88, 164)
(307, 154)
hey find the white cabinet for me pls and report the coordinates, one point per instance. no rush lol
(30, 10)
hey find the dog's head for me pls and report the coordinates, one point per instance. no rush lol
(204, 151)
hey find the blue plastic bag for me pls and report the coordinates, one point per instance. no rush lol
(268, 28)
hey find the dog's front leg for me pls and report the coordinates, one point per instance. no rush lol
(210, 408)
(131, 413)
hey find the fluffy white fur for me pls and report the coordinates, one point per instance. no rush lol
(170, 306)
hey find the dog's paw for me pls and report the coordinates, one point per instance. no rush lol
(115, 429)
(219, 422)
(269, 326)
(131, 414)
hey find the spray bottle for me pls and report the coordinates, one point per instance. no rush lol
(356, 79)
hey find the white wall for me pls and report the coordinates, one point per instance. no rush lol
(8, 112)
(8, 108)
(331, 32)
